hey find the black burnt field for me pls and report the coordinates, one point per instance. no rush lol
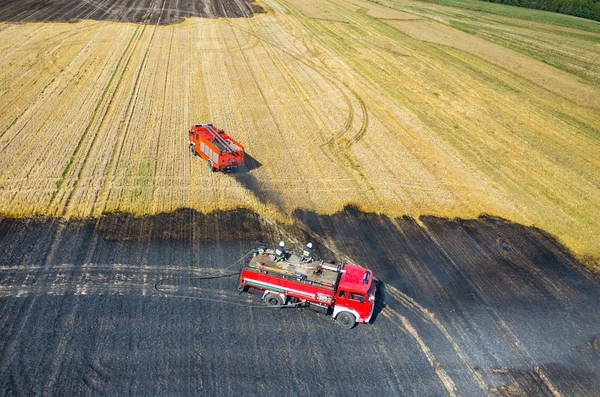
(465, 307)
(162, 12)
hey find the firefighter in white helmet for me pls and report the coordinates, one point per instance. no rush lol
(280, 252)
(307, 253)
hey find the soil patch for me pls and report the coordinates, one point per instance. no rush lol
(590, 347)
(135, 11)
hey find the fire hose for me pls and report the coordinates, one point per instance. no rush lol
(217, 275)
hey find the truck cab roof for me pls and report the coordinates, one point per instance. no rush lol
(355, 278)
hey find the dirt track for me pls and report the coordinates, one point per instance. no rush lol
(466, 308)
(145, 11)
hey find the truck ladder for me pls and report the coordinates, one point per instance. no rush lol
(210, 128)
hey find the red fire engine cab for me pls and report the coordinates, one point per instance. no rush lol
(346, 292)
(220, 150)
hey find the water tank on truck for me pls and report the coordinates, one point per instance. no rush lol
(346, 291)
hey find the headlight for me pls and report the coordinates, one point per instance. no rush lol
(371, 298)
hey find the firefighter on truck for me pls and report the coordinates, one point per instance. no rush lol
(346, 292)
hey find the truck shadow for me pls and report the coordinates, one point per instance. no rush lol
(252, 184)
(380, 304)
(250, 163)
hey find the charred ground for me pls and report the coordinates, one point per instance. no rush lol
(467, 307)
(134, 11)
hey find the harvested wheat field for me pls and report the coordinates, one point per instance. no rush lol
(452, 148)
(396, 112)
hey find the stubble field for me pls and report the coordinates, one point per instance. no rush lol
(453, 149)
(398, 113)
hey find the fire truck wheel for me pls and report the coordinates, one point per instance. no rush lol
(346, 319)
(272, 299)
(193, 150)
(210, 166)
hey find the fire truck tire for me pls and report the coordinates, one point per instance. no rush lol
(346, 320)
(193, 150)
(272, 299)
(211, 166)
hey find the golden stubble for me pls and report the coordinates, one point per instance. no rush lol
(337, 110)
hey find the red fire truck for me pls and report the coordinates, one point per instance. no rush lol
(220, 150)
(346, 292)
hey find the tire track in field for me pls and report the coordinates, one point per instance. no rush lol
(104, 194)
(340, 84)
(339, 144)
(136, 159)
(274, 46)
(323, 72)
(32, 141)
(10, 103)
(327, 75)
(483, 303)
(164, 111)
(54, 40)
(45, 155)
(269, 108)
(136, 162)
(299, 58)
(298, 87)
(429, 318)
(107, 107)
(247, 180)
(351, 112)
(66, 338)
(364, 119)
(66, 207)
(404, 116)
(337, 81)
(12, 341)
(405, 326)
(207, 46)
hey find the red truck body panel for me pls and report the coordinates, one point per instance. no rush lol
(215, 145)
(297, 289)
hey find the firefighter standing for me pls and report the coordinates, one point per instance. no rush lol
(307, 253)
(280, 252)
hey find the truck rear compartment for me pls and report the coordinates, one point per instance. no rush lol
(293, 268)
